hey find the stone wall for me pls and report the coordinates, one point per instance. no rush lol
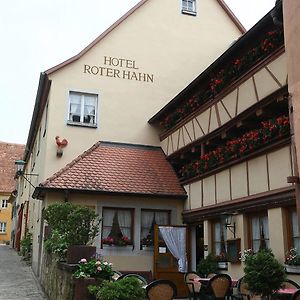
(56, 279)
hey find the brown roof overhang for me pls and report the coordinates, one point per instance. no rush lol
(40, 192)
(276, 198)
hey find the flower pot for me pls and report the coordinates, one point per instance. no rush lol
(77, 252)
(81, 291)
(292, 269)
(222, 265)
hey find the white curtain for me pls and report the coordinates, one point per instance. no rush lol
(124, 218)
(147, 219)
(108, 216)
(175, 239)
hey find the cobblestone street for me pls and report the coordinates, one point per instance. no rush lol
(17, 281)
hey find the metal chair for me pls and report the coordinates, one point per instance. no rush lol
(219, 286)
(161, 289)
(194, 287)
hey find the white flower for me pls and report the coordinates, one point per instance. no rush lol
(83, 261)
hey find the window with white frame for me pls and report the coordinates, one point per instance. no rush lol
(4, 203)
(219, 240)
(295, 231)
(82, 109)
(2, 227)
(117, 226)
(259, 232)
(149, 218)
(188, 6)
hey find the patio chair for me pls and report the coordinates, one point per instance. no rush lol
(161, 289)
(288, 283)
(296, 295)
(219, 286)
(194, 287)
(243, 292)
(140, 278)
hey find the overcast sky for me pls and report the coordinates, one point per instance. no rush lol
(39, 34)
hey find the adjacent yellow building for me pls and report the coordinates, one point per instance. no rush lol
(8, 154)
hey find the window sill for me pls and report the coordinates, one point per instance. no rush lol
(292, 269)
(71, 123)
(147, 248)
(189, 12)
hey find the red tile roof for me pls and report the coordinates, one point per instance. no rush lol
(118, 168)
(9, 153)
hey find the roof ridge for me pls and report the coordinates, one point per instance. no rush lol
(98, 39)
(71, 164)
(131, 145)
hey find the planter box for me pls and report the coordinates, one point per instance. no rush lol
(77, 252)
(292, 269)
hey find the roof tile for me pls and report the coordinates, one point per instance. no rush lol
(119, 168)
(9, 153)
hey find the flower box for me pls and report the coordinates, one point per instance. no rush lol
(292, 269)
(222, 265)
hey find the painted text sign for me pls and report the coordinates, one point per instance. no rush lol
(118, 68)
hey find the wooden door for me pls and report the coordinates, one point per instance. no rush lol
(165, 264)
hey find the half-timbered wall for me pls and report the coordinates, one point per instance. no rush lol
(255, 88)
(262, 174)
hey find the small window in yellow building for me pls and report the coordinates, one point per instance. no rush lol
(188, 7)
(82, 109)
(4, 203)
(2, 227)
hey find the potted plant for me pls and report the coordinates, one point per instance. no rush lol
(90, 273)
(122, 241)
(263, 273)
(77, 227)
(292, 261)
(207, 265)
(124, 289)
(221, 260)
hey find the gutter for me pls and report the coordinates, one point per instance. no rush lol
(40, 101)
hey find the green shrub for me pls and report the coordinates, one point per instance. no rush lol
(26, 246)
(70, 224)
(263, 273)
(124, 289)
(207, 265)
(57, 244)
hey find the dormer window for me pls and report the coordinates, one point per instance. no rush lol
(189, 7)
(82, 109)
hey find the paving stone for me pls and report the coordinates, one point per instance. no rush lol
(17, 281)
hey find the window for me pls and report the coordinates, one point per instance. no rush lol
(219, 240)
(82, 109)
(4, 203)
(295, 231)
(189, 7)
(259, 232)
(117, 226)
(2, 227)
(148, 219)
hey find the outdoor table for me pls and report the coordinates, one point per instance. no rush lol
(286, 293)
